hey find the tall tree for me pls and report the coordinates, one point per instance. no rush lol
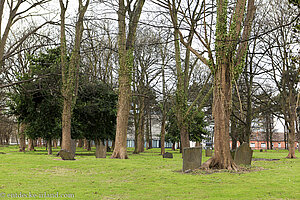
(231, 36)
(284, 61)
(70, 69)
(125, 50)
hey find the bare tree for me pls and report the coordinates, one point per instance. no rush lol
(70, 69)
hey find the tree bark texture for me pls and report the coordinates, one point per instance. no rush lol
(49, 145)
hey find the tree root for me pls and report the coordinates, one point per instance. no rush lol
(118, 155)
(291, 156)
(214, 163)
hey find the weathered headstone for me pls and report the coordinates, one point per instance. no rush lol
(66, 155)
(167, 155)
(208, 152)
(243, 154)
(192, 158)
(100, 149)
(73, 147)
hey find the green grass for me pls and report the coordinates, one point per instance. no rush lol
(144, 176)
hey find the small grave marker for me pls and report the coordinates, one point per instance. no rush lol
(192, 158)
(243, 154)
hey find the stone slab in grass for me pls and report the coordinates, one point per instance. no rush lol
(66, 155)
(167, 155)
(243, 154)
(192, 158)
(73, 147)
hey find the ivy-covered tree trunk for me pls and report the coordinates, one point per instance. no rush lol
(125, 50)
(70, 70)
(230, 54)
(181, 100)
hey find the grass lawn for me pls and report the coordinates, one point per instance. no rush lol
(144, 176)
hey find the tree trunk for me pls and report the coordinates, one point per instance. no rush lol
(271, 140)
(66, 124)
(291, 140)
(80, 143)
(162, 137)
(125, 60)
(85, 143)
(184, 136)
(173, 146)
(120, 150)
(221, 113)
(141, 136)
(30, 145)
(88, 145)
(49, 145)
(100, 149)
(234, 134)
(22, 138)
(125, 51)
(40, 142)
(147, 132)
(55, 143)
(70, 71)
(150, 131)
(113, 145)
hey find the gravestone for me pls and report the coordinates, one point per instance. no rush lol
(192, 158)
(208, 152)
(243, 154)
(66, 155)
(167, 155)
(73, 147)
(100, 149)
